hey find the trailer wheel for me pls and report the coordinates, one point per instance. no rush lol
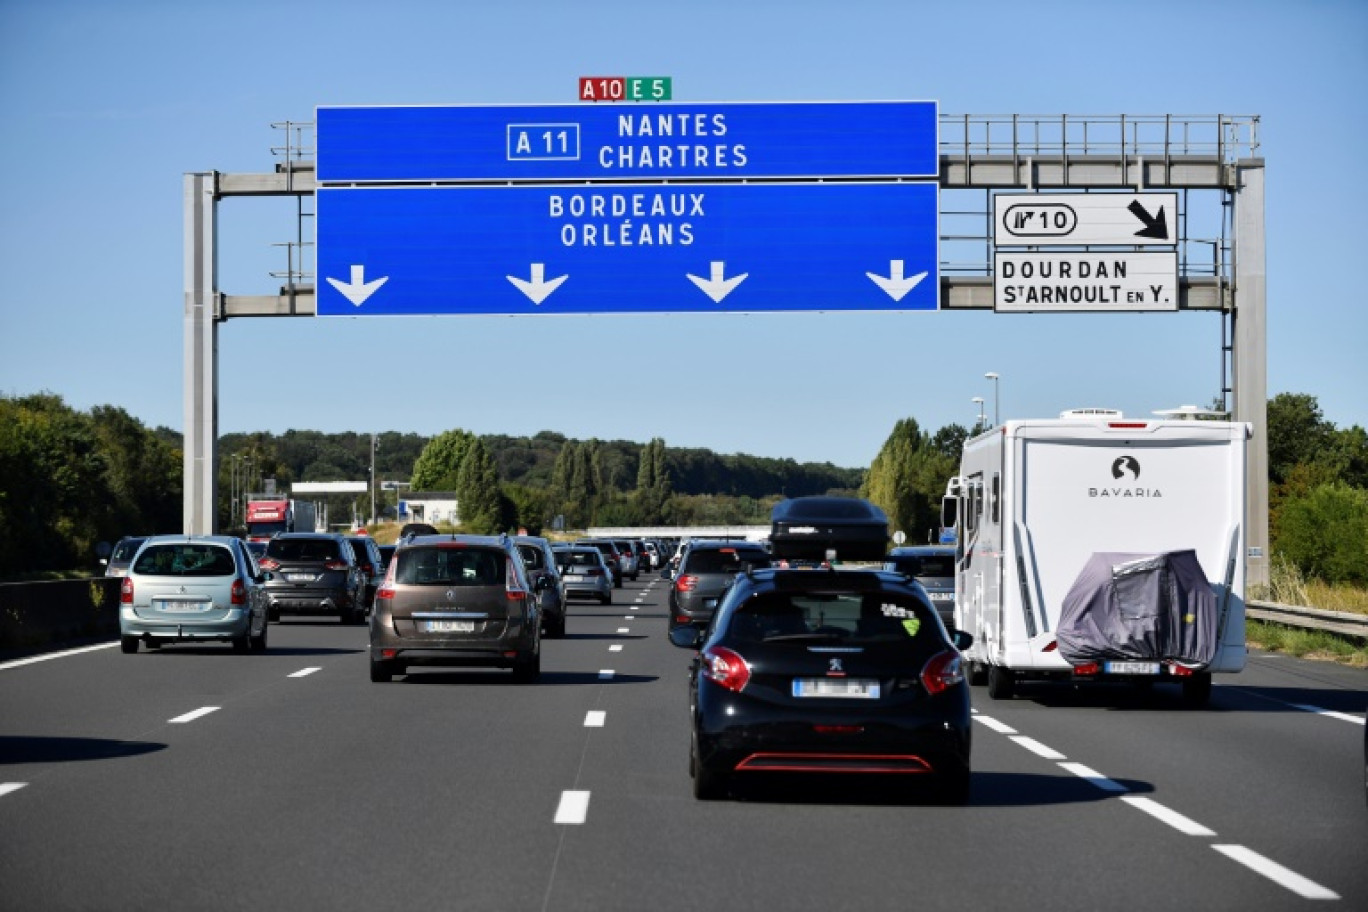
(1197, 690)
(974, 673)
(1001, 682)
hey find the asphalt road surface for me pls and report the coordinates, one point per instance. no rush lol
(196, 778)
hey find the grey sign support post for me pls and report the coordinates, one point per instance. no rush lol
(1250, 367)
(201, 354)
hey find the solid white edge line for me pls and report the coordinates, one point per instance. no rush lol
(573, 808)
(8, 787)
(1185, 825)
(1001, 728)
(1283, 877)
(1035, 747)
(1094, 777)
(47, 657)
(595, 718)
(192, 716)
(305, 672)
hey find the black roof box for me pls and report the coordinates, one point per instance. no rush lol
(806, 528)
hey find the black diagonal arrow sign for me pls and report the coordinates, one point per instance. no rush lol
(1156, 226)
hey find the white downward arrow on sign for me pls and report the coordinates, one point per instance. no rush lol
(895, 285)
(538, 289)
(717, 287)
(358, 289)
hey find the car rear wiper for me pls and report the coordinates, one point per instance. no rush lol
(811, 637)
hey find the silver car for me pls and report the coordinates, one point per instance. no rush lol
(584, 572)
(183, 588)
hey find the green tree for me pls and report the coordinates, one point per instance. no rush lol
(1297, 433)
(1325, 533)
(477, 491)
(907, 478)
(439, 465)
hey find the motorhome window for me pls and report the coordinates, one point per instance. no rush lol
(975, 503)
(997, 500)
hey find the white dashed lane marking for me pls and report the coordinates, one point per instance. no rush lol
(574, 807)
(595, 718)
(1284, 877)
(305, 672)
(606, 674)
(192, 716)
(8, 787)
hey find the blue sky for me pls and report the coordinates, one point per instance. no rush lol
(107, 104)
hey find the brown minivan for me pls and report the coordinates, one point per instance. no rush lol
(462, 600)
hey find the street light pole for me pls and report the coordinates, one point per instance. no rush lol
(978, 400)
(372, 480)
(991, 375)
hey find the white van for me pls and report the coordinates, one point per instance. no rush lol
(1036, 499)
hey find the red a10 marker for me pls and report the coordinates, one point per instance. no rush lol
(625, 88)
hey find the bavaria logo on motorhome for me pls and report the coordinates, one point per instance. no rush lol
(1126, 464)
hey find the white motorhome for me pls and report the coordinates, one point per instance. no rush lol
(1035, 499)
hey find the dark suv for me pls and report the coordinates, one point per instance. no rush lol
(462, 600)
(314, 573)
(372, 565)
(705, 571)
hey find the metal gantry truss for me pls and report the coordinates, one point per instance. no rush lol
(1212, 161)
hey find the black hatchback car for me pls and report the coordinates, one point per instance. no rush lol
(827, 672)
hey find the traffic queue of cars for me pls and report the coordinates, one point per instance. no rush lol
(801, 664)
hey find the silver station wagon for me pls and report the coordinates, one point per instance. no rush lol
(182, 588)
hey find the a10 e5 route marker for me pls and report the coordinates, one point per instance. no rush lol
(624, 88)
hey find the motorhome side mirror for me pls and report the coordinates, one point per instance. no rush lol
(962, 639)
(949, 512)
(686, 637)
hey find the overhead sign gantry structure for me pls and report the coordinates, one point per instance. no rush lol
(1075, 208)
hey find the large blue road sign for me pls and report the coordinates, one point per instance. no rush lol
(628, 142)
(648, 248)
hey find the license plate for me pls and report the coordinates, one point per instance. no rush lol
(843, 688)
(182, 606)
(942, 596)
(300, 577)
(448, 626)
(574, 579)
(1131, 668)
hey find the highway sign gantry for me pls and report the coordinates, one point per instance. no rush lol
(643, 248)
(626, 142)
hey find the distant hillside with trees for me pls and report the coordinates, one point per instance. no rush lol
(71, 479)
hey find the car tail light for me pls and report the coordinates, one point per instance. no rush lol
(686, 583)
(367, 569)
(126, 591)
(942, 672)
(1052, 646)
(1087, 668)
(1181, 670)
(335, 565)
(385, 592)
(594, 571)
(268, 563)
(513, 587)
(239, 593)
(724, 667)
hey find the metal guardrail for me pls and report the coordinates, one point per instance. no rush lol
(1341, 622)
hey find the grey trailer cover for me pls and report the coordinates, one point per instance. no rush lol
(1140, 606)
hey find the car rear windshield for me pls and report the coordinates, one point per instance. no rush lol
(185, 560)
(578, 559)
(726, 560)
(125, 550)
(854, 618)
(924, 564)
(303, 549)
(532, 557)
(450, 567)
